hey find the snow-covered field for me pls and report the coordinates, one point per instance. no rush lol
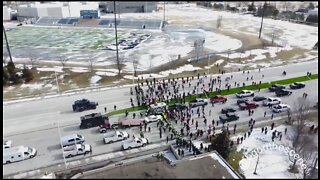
(273, 156)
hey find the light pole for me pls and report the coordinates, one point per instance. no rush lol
(255, 169)
(8, 47)
(262, 20)
(116, 32)
(64, 158)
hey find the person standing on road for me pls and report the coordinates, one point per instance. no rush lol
(115, 107)
(196, 124)
(167, 139)
(105, 109)
(271, 116)
(285, 131)
(265, 113)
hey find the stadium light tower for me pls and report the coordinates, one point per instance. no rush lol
(8, 48)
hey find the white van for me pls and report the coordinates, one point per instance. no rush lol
(72, 139)
(18, 153)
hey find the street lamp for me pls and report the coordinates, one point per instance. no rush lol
(255, 169)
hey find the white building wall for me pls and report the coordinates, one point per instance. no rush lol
(6, 13)
(65, 11)
(55, 12)
(24, 11)
(42, 12)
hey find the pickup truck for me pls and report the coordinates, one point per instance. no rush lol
(117, 136)
(78, 149)
(137, 142)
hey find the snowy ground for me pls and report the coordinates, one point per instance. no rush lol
(273, 156)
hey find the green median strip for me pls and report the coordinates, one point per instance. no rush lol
(224, 92)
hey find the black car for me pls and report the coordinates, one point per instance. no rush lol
(228, 117)
(297, 85)
(240, 101)
(227, 110)
(92, 120)
(177, 106)
(283, 93)
(84, 104)
(276, 87)
(259, 98)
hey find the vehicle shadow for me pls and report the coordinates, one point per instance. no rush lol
(54, 147)
(99, 142)
(58, 156)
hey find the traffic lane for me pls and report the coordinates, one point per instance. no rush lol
(37, 121)
(17, 112)
(49, 149)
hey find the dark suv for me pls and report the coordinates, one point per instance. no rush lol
(83, 104)
(276, 87)
(283, 93)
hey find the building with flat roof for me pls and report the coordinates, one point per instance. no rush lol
(129, 6)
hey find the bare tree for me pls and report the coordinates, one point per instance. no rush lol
(302, 107)
(32, 58)
(90, 63)
(309, 153)
(63, 61)
(135, 64)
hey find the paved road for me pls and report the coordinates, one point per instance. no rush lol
(47, 141)
(44, 113)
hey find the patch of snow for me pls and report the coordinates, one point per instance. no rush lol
(79, 69)
(94, 79)
(258, 57)
(55, 68)
(32, 86)
(187, 67)
(145, 76)
(106, 73)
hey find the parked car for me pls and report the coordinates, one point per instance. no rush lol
(280, 108)
(297, 85)
(282, 92)
(227, 110)
(248, 105)
(93, 120)
(72, 139)
(198, 102)
(77, 149)
(7, 144)
(84, 104)
(218, 98)
(116, 136)
(153, 118)
(228, 117)
(259, 98)
(276, 87)
(134, 143)
(177, 106)
(244, 93)
(243, 100)
(271, 101)
(18, 153)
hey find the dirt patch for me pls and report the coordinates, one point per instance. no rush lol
(205, 167)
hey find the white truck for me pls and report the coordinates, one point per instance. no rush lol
(18, 153)
(116, 136)
(7, 144)
(136, 142)
(78, 149)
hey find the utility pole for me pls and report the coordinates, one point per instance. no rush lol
(115, 27)
(8, 47)
(264, 5)
(55, 73)
(255, 169)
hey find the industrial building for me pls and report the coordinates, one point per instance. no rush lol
(57, 10)
(128, 6)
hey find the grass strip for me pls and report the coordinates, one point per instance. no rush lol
(223, 92)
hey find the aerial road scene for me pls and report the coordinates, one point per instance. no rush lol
(160, 89)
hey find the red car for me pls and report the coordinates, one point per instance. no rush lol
(248, 105)
(218, 98)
